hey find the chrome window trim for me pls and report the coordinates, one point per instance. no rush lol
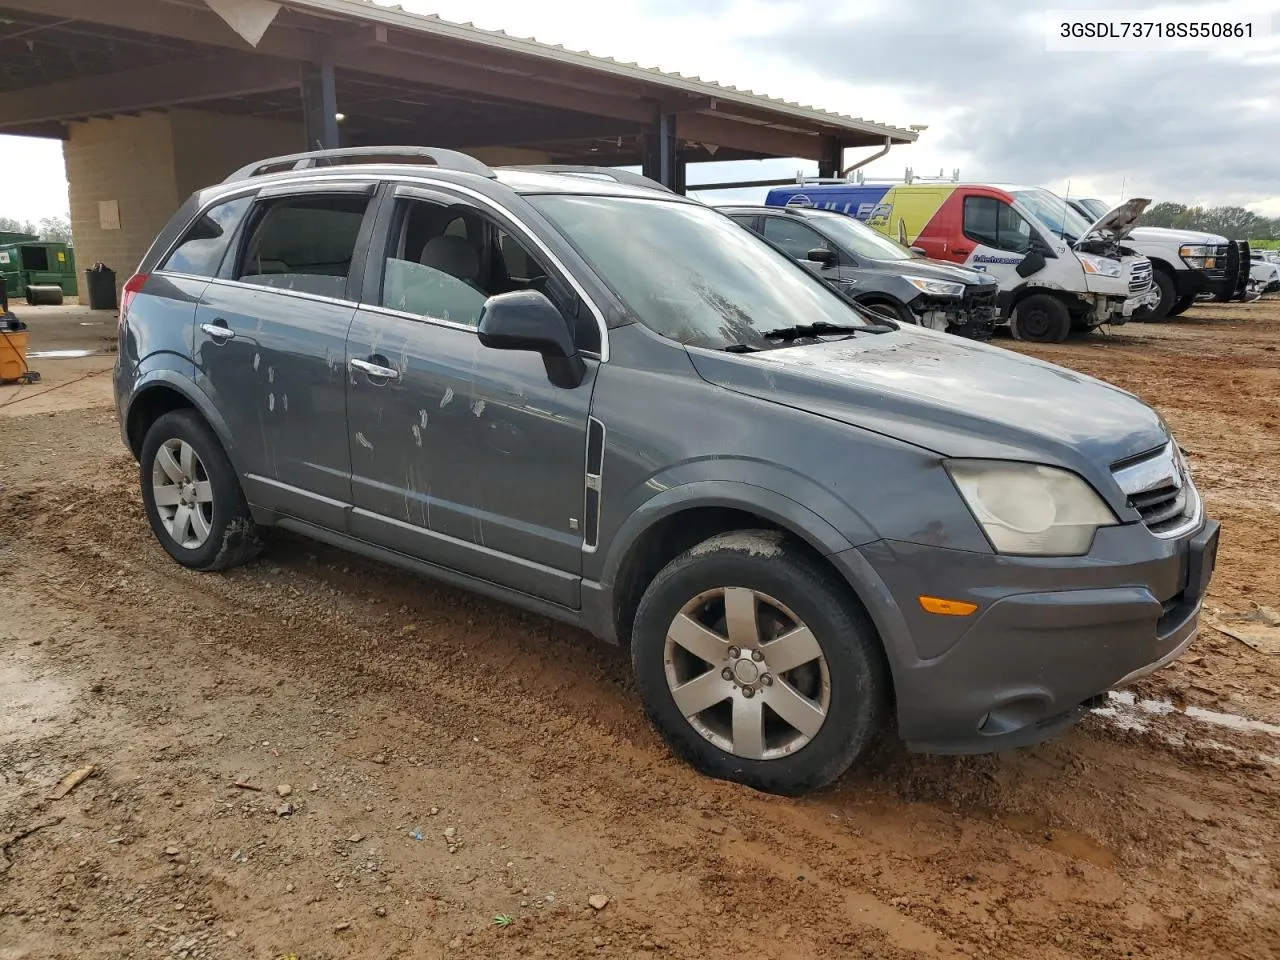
(296, 294)
(417, 317)
(435, 322)
(243, 187)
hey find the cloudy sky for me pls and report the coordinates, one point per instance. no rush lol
(1188, 125)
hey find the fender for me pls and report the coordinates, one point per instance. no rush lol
(734, 494)
(180, 378)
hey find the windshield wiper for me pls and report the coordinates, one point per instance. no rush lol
(822, 328)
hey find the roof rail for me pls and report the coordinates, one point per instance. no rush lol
(445, 159)
(607, 173)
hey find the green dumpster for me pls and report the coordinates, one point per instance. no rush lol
(35, 263)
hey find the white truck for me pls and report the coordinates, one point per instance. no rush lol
(1186, 263)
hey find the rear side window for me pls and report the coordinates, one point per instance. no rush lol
(994, 223)
(201, 251)
(305, 244)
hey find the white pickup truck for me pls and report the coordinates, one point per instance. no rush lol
(1186, 263)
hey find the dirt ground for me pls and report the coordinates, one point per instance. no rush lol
(323, 757)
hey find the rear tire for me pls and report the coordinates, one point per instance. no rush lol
(1040, 318)
(752, 611)
(192, 495)
(1183, 304)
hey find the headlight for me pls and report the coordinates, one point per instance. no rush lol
(1199, 256)
(936, 288)
(1100, 266)
(1031, 510)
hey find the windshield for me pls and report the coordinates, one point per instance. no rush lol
(1055, 213)
(1097, 209)
(692, 274)
(859, 239)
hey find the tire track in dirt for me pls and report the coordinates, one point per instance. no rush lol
(894, 871)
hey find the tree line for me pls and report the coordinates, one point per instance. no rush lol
(50, 229)
(1234, 223)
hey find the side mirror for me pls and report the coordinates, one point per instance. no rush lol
(919, 251)
(822, 255)
(527, 320)
(1031, 264)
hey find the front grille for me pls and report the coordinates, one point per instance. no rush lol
(1160, 489)
(1140, 277)
(981, 301)
(1160, 506)
(1238, 267)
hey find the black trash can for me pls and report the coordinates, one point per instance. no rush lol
(100, 282)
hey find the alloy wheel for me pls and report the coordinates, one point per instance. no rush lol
(746, 673)
(183, 493)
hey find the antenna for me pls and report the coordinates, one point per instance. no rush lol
(1122, 184)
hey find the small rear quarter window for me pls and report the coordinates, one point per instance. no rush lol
(200, 252)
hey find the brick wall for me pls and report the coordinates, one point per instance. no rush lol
(128, 160)
(209, 146)
(149, 165)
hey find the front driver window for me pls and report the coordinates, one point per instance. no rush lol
(444, 262)
(793, 236)
(996, 224)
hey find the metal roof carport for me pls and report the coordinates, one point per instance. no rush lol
(395, 77)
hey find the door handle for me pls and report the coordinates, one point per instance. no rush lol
(962, 251)
(375, 371)
(219, 331)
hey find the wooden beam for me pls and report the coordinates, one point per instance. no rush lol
(484, 82)
(44, 131)
(851, 138)
(725, 132)
(534, 132)
(149, 88)
(193, 24)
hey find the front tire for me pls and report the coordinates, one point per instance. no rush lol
(192, 495)
(893, 311)
(1163, 281)
(757, 665)
(1041, 318)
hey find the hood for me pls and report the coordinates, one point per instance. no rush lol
(926, 267)
(952, 396)
(1168, 235)
(1117, 222)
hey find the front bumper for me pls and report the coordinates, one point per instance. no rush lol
(1049, 635)
(974, 315)
(1133, 304)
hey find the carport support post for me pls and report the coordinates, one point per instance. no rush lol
(661, 157)
(320, 105)
(832, 158)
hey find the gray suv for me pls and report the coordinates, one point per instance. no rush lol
(573, 390)
(879, 273)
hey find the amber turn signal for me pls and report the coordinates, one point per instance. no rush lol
(947, 608)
